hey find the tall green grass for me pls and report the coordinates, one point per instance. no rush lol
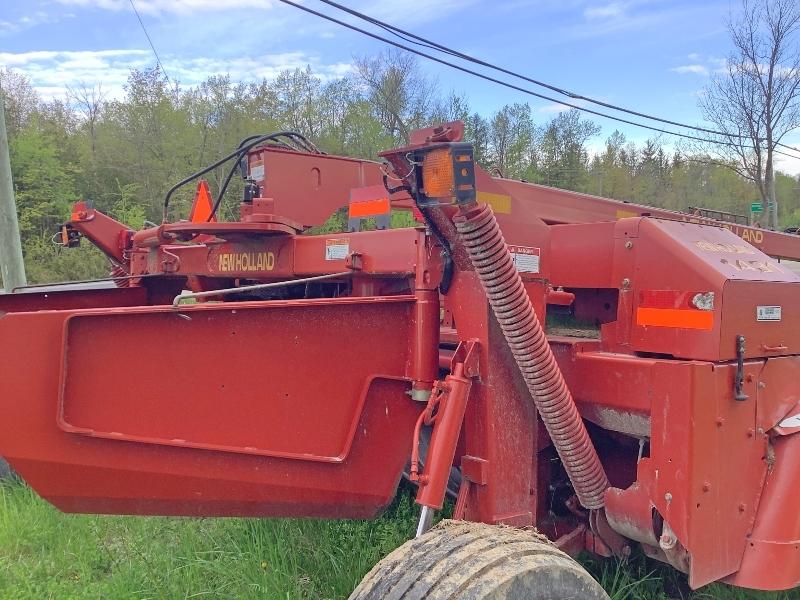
(46, 554)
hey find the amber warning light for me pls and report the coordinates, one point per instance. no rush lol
(448, 173)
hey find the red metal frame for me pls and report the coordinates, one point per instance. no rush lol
(303, 400)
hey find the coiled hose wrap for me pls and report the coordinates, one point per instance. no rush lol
(512, 307)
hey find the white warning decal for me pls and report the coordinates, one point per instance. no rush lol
(768, 313)
(257, 171)
(526, 259)
(337, 249)
(789, 422)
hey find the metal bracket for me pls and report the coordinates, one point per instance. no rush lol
(738, 385)
(467, 354)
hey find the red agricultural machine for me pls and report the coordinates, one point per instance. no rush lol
(613, 375)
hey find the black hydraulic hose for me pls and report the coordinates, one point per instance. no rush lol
(222, 190)
(244, 146)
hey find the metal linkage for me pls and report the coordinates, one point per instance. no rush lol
(259, 286)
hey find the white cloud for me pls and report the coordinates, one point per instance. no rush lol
(22, 59)
(702, 65)
(396, 11)
(403, 12)
(24, 22)
(788, 165)
(52, 72)
(695, 69)
(178, 7)
(620, 16)
(609, 11)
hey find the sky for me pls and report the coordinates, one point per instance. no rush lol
(654, 56)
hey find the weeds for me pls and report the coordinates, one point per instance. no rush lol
(46, 554)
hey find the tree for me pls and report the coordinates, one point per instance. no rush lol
(21, 99)
(402, 97)
(564, 160)
(511, 141)
(89, 100)
(756, 101)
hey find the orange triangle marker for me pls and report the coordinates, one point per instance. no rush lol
(202, 205)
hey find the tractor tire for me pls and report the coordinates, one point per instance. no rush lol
(458, 560)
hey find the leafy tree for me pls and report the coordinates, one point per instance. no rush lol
(756, 102)
(124, 154)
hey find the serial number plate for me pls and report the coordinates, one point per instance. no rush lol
(768, 313)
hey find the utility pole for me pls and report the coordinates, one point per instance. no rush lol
(12, 267)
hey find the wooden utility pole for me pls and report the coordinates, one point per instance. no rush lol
(12, 267)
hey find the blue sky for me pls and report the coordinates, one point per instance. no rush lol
(651, 55)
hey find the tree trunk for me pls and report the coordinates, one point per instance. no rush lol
(772, 202)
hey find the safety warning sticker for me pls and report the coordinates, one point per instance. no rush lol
(337, 249)
(768, 313)
(257, 171)
(526, 259)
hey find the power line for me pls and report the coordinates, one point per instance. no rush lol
(427, 43)
(507, 84)
(150, 41)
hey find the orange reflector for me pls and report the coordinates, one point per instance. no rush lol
(437, 173)
(369, 208)
(202, 205)
(675, 317)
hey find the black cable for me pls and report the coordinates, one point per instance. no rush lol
(427, 43)
(222, 190)
(308, 147)
(150, 41)
(244, 146)
(511, 85)
(447, 252)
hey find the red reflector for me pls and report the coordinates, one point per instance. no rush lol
(369, 208)
(685, 318)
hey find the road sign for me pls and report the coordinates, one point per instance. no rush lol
(756, 207)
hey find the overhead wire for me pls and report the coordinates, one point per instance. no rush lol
(511, 85)
(427, 43)
(150, 41)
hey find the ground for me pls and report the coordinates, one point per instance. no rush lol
(46, 554)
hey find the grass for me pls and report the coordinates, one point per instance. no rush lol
(46, 554)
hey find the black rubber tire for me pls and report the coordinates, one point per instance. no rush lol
(457, 560)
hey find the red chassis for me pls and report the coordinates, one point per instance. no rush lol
(302, 399)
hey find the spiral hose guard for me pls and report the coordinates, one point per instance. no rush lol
(512, 307)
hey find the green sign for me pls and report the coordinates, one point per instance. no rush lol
(756, 207)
